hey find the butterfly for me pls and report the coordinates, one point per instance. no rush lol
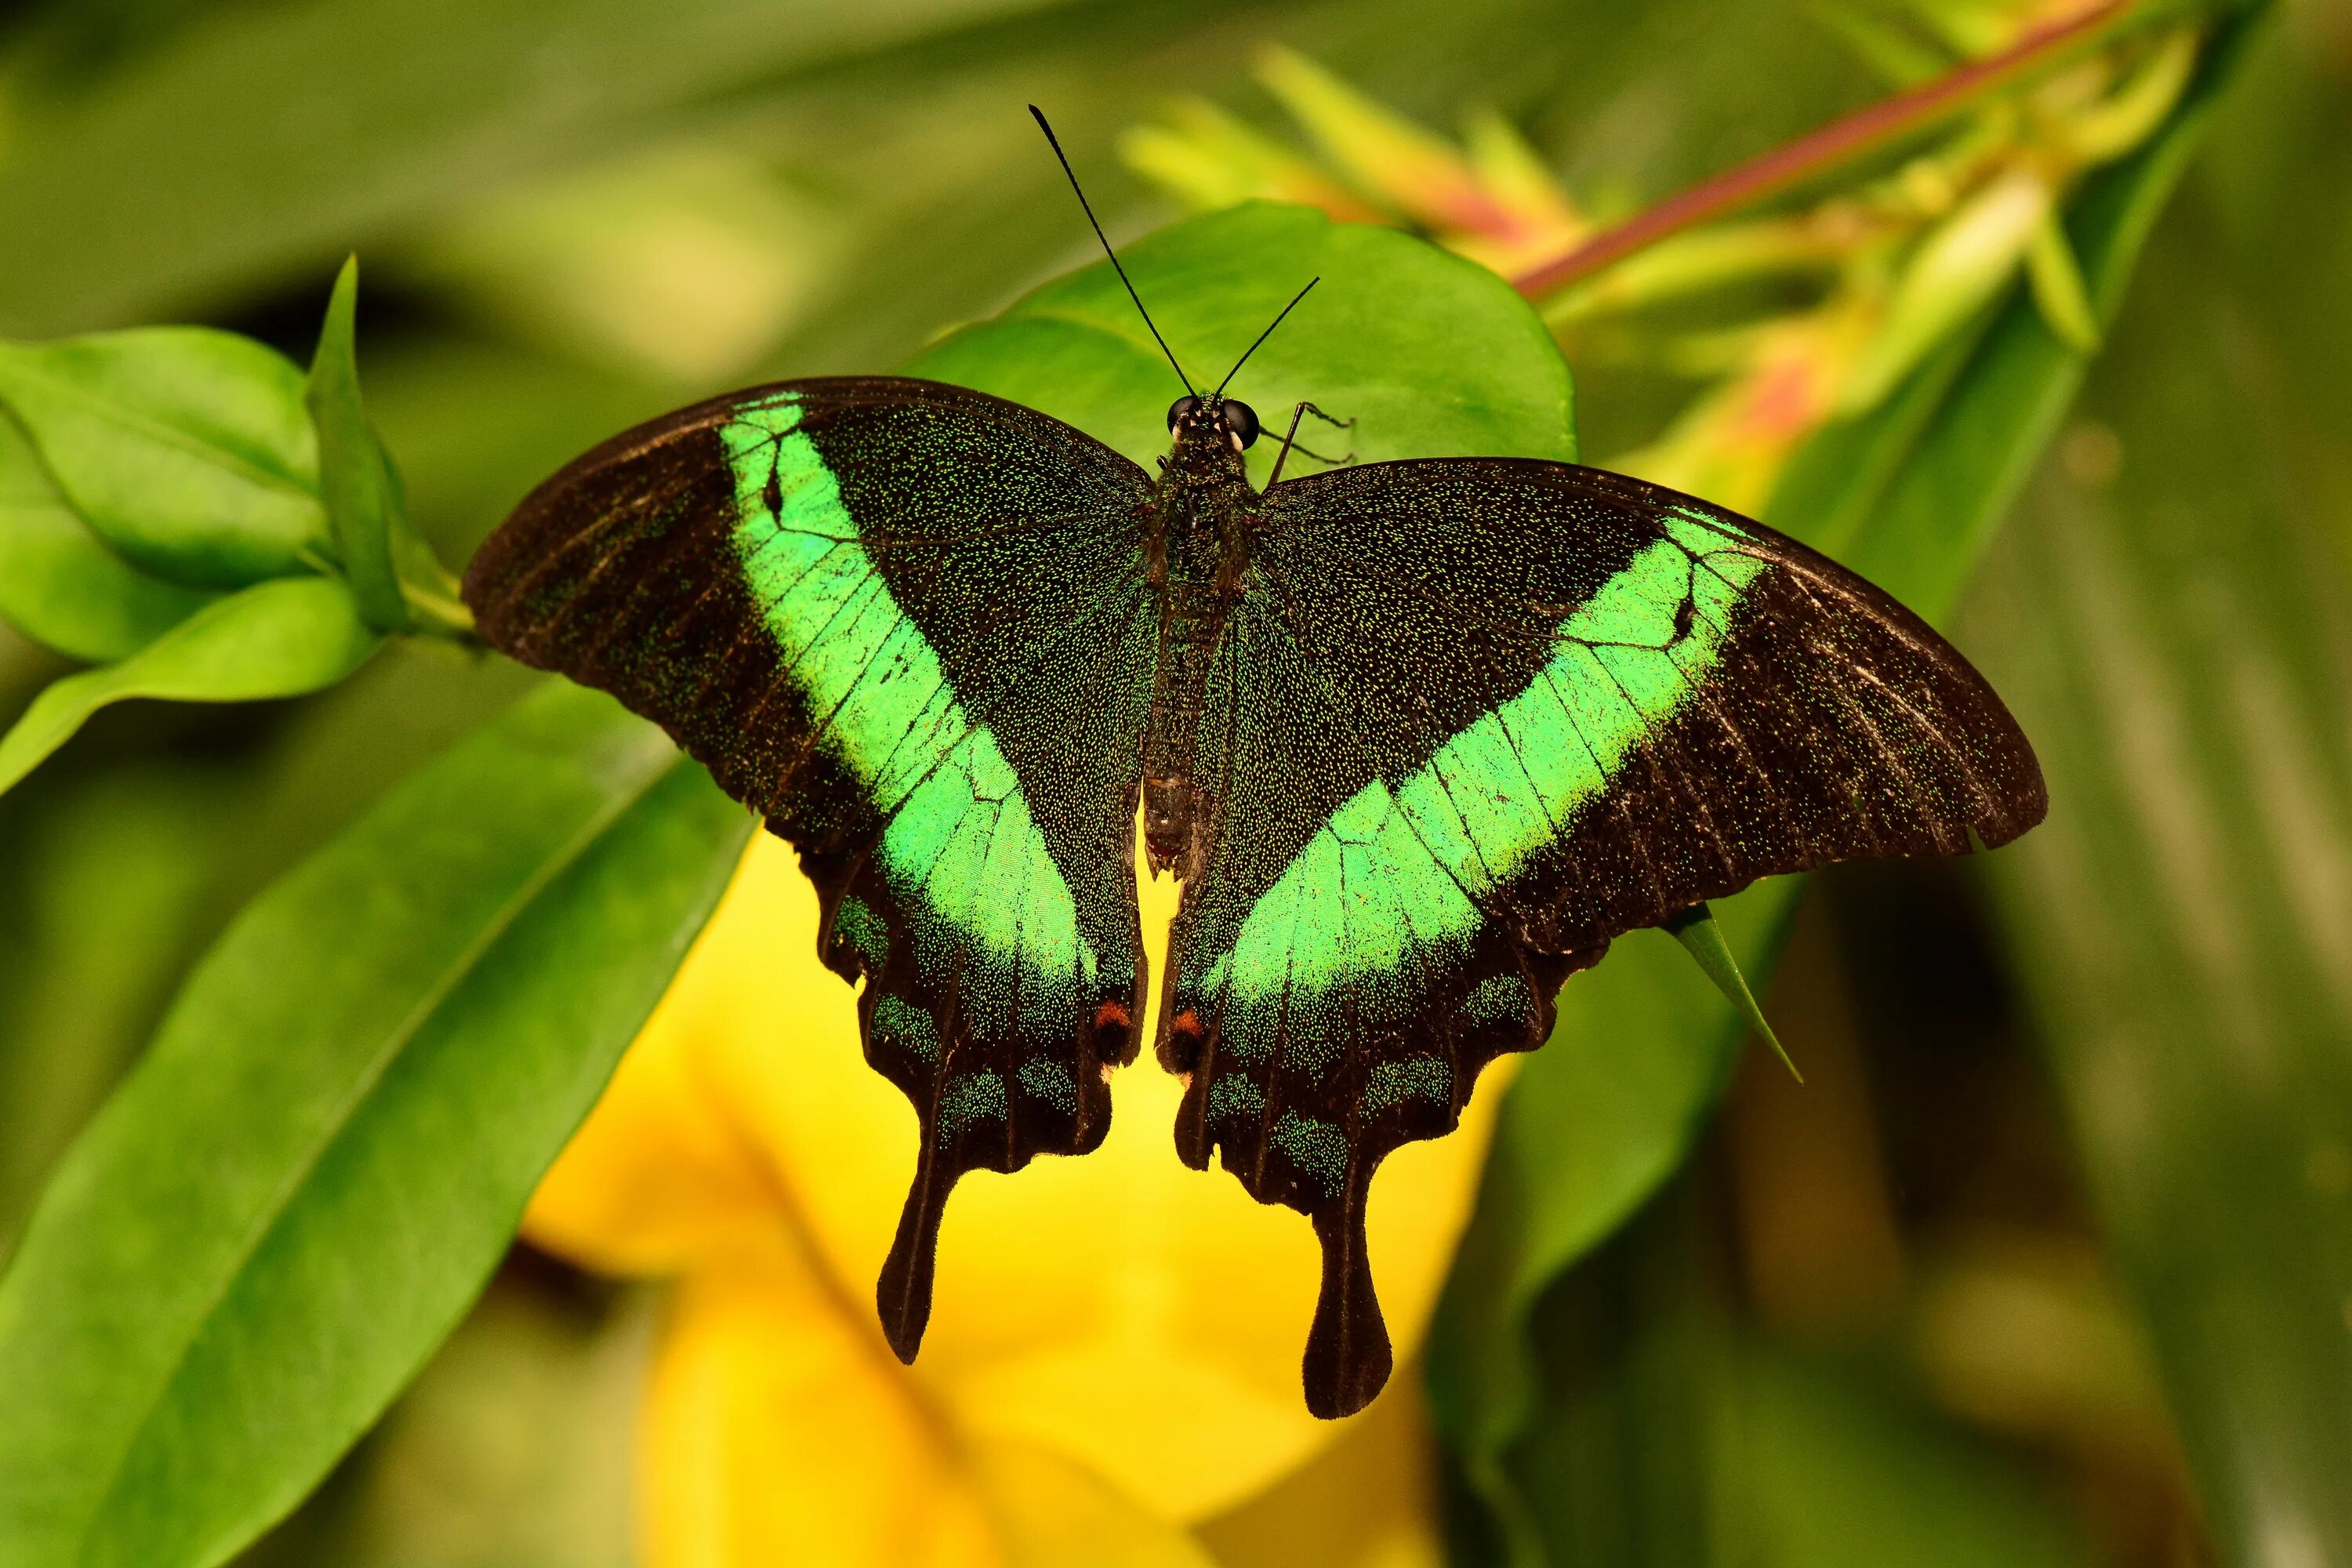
(1420, 738)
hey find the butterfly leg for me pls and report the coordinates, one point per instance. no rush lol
(1291, 440)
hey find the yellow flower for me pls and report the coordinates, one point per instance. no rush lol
(1113, 1356)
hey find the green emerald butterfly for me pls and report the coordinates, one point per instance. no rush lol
(1420, 737)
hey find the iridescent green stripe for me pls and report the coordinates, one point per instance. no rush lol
(959, 836)
(1399, 867)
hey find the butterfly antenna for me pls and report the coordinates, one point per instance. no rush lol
(1261, 338)
(1054, 142)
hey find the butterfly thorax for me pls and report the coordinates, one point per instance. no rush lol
(1197, 547)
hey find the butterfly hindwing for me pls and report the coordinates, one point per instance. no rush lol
(1474, 718)
(909, 625)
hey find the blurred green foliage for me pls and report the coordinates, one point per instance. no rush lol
(584, 212)
(2172, 614)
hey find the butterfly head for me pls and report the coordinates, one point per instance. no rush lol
(1211, 435)
(1214, 418)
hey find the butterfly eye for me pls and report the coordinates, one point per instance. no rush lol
(1242, 420)
(1182, 409)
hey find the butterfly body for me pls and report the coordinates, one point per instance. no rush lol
(1420, 737)
(1196, 551)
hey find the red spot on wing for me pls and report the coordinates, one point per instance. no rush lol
(1188, 1022)
(1113, 1015)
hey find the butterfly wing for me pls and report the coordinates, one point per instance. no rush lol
(908, 625)
(1474, 718)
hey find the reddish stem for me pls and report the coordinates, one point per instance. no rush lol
(1776, 171)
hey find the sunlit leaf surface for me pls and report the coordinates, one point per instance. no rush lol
(60, 584)
(188, 450)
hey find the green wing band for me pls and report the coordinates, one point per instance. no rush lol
(960, 844)
(1402, 864)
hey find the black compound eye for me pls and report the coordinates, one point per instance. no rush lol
(1182, 409)
(1242, 420)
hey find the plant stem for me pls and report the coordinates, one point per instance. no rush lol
(1773, 172)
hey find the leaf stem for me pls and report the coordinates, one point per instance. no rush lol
(1775, 171)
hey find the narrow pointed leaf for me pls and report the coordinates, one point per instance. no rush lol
(1702, 940)
(2058, 291)
(355, 473)
(400, 583)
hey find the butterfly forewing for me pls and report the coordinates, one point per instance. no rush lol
(909, 625)
(1473, 719)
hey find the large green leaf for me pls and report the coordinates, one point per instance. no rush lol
(1910, 495)
(2172, 632)
(275, 639)
(106, 906)
(1381, 341)
(325, 1152)
(186, 449)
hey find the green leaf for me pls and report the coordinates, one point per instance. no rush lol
(1910, 495)
(370, 1069)
(355, 477)
(186, 449)
(274, 639)
(399, 581)
(60, 584)
(1702, 938)
(2059, 291)
(1379, 340)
